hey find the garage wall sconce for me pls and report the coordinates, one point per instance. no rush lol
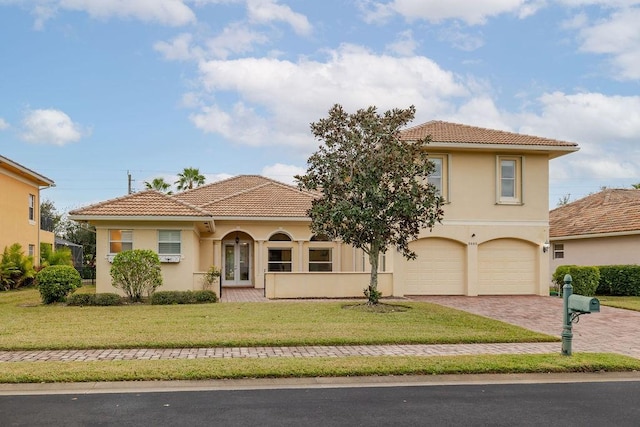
(545, 247)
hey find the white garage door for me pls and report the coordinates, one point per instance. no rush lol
(507, 267)
(438, 270)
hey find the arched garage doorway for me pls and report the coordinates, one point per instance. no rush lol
(507, 267)
(439, 269)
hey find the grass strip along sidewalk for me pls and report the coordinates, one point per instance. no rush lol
(27, 325)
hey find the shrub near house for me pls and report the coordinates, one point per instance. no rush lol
(56, 282)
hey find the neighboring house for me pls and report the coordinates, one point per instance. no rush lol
(20, 208)
(256, 230)
(600, 229)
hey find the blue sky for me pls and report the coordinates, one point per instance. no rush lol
(91, 90)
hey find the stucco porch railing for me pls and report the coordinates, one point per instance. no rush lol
(323, 285)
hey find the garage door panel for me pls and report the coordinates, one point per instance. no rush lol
(439, 268)
(507, 267)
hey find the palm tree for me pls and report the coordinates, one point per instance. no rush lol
(158, 184)
(636, 186)
(189, 178)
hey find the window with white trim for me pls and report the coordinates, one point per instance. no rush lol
(558, 250)
(320, 259)
(169, 242)
(32, 207)
(120, 241)
(439, 177)
(382, 262)
(509, 185)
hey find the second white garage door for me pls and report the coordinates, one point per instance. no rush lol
(439, 268)
(507, 267)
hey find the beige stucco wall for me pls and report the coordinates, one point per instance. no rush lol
(323, 285)
(610, 250)
(175, 276)
(15, 226)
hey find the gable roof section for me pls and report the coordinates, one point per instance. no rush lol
(208, 193)
(24, 172)
(609, 211)
(145, 204)
(270, 199)
(453, 134)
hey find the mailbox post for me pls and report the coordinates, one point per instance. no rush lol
(574, 305)
(567, 334)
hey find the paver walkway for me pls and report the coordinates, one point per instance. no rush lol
(611, 330)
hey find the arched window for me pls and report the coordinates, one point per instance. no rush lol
(279, 237)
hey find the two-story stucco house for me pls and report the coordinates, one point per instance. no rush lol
(256, 230)
(20, 207)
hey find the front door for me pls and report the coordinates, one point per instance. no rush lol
(237, 263)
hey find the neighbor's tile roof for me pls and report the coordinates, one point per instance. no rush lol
(446, 132)
(609, 211)
(241, 196)
(145, 203)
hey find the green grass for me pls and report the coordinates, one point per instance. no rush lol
(628, 303)
(29, 325)
(201, 369)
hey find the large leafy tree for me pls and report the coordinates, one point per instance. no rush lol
(189, 178)
(158, 184)
(374, 188)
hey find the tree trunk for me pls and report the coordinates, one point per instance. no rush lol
(372, 292)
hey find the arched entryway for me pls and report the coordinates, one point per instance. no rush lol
(237, 259)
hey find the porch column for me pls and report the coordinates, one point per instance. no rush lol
(300, 255)
(338, 261)
(260, 269)
(217, 254)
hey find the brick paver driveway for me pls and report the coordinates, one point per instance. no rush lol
(610, 330)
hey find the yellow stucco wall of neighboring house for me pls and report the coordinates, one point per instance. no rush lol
(592, 251)
(20, 208)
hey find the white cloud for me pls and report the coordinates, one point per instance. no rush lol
(289, 95)
(235, 38)
(180, 48)
(50, 127)
(617, 36)
(283, 173)
(166, 12)
(3, 124)
(405, 45)
(265, 11)
(472, 12)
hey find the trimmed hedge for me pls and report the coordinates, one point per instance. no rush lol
(585, 279)
(619, 280)
(56, 282)
(106, 299)
(183, 297)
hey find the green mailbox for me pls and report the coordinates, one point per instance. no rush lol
(581, 304)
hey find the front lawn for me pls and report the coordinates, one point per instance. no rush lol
(628, 303)
(29, 325)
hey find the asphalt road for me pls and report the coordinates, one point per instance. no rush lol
(566, 404)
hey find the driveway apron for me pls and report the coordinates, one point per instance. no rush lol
(611, 330)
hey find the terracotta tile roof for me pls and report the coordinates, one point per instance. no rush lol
(145, 203)
(241, 196)
(270, 199)
(609, 211)
(208, 193)
(445, 132)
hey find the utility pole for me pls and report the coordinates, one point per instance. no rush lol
(129, 181)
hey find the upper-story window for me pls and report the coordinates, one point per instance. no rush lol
(509, 185)
(120, 241)
(438, 178)
(32, 207)
(169, 242)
